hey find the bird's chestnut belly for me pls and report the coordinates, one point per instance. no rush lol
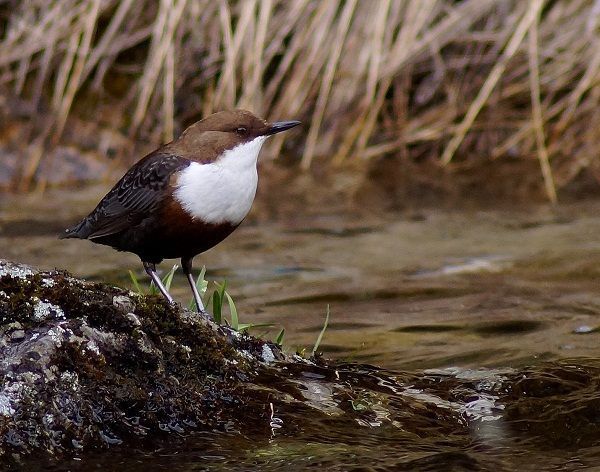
(169, 233)
(181, 235)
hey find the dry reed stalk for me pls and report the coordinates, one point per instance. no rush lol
(406, 44)
(226, 89)
(308, 64)
(75, 74)
(586, 82)
(36, 149)
(317, 118)
(379, 42)
(291, 53)
(406, 49)
(252, 90)
(369, 78)
(170, 13)
(23, 69)
(536, 105)
(108, 37)
(169, 95)
(43, 71)
(64, 69)
(491, 81)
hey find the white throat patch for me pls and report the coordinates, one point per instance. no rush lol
(222, 191)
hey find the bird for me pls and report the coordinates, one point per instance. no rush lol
(186, 196)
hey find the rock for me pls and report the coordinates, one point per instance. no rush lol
(17, 335)
(123, 304)
(12, 326)
(79, 360)
(133, 319)
(583, 329)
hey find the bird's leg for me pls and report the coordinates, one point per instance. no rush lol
(150, 269)
(186, 265)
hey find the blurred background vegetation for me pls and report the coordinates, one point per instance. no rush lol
(460, 96)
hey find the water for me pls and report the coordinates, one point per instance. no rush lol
(486, 323)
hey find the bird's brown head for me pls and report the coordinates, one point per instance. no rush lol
(225, 130)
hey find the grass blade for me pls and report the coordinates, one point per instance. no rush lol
(201, 282)
(201, 286)
(247, 326)
(168, 279)
(235, 322)
(153, 290)
(222, 287)
(217, 304)
(136, 284)
(318, 342)
(279, 338)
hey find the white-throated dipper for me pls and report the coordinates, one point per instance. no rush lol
(185, 197)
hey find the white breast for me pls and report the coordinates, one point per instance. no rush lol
(222, 191)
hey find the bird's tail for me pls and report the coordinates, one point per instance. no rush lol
(80, 231)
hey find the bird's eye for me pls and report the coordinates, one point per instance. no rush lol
(241, 130)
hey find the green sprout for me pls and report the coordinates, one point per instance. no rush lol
(279, 338)
(219, 298)
(320, 337)
(167, 280)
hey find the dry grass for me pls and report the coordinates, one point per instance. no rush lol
(454, 82)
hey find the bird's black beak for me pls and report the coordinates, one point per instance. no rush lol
(280, 126)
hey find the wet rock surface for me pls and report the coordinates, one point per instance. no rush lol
(94, 375)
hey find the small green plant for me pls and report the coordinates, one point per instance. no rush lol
(167, 280)
(357, 405)
(279, 338)
(201, 286)
(320, 337)
(136, 284)
(219, 298)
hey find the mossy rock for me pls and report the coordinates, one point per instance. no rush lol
(85, 366)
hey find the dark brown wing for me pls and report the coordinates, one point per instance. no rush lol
(139, 192)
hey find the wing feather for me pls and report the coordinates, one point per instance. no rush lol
(139, 192)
